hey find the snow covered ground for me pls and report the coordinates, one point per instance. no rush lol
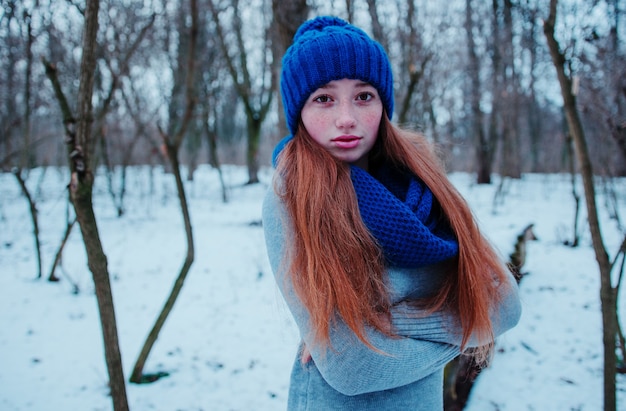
(230, 342)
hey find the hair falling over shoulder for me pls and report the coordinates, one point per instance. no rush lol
(335, 264)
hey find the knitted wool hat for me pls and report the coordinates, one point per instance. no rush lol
(326, 49)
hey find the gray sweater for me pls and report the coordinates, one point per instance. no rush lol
(351, 376)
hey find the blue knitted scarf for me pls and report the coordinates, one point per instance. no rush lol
(397, 209)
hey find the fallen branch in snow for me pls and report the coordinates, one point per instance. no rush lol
(517, 259)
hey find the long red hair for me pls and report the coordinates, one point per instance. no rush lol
(335, 264)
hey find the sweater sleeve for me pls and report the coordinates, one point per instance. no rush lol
(348, 365)
(442, 326)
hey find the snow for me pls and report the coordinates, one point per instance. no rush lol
(229, 342)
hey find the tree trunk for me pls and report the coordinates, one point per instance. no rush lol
(214, 160)
(414, 61)
(252, 152)
(57, 256)
(377, 28)
(28, 154)
(32, 206)
(138, 375)
(607, 292)
(571, 163)
(509, 98)
(81, 189)
(415, 75)
(534, 111)
(483, 150)
(81, 195)
(287, 15)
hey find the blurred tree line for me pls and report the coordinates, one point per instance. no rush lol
(474, 76)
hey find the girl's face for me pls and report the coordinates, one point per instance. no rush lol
(343, 117)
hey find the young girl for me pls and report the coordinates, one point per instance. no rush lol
(377, 255)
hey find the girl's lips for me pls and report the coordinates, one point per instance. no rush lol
(346, 142)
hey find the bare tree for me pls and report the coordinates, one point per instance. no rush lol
(172, 144)
(533, 110)
(17, 123)
(416, 60)
(209, 126)
(256, 95)
(215, 103)
(58, 256)
(484, 145)
(80, 149)
(608, 293)
(506, 94)
(377, 29)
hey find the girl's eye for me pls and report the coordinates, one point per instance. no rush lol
(322, 99)
(365, 96)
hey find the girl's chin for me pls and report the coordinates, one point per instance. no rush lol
(354, 159)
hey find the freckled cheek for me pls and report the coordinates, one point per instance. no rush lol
(321, 120)
(312, 117)
(372, 120)
(316, 125)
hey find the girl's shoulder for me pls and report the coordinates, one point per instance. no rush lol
(272, 200)
(272, 206)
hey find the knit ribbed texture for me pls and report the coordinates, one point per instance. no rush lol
(326, 49)
(396, 208)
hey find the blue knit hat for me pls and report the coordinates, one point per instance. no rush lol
(326, 49)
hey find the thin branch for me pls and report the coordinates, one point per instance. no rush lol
(66, 111)
(622, 253)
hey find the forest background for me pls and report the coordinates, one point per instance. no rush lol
(476, 77)
(104, 85)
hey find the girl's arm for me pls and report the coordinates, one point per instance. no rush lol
(348, 365)
(442, 326)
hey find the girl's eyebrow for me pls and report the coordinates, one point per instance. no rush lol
(360, 84)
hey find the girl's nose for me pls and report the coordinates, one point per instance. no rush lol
(345, 116)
